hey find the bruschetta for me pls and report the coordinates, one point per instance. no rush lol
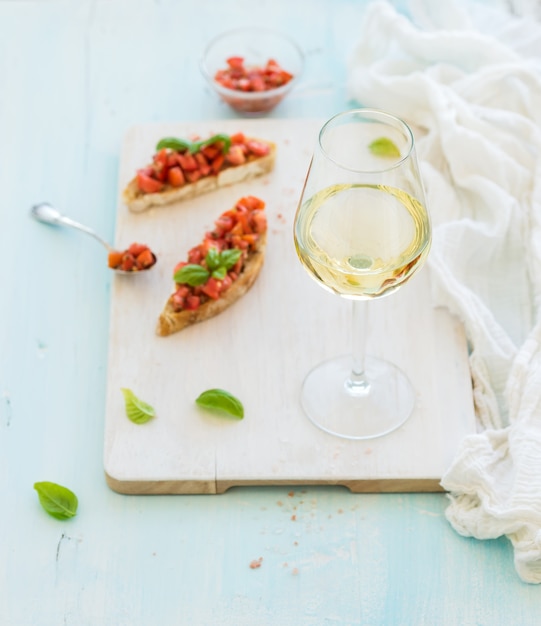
(220, 270)
(182, 169)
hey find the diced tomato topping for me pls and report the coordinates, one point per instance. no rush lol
(240, 228)
(258, 148)
(192, 302)
(194, 176)
(187, 162)
(195, 255)
(226, 282)
(175, 177)
(238, 138)
(212, 288)
(217, 163)
(211, 152)
(176, 168)
(161, 157)
(235, 156)
(148, 184)
(203, 164)
(259, 220)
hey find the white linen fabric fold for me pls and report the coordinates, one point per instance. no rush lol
(467, 77)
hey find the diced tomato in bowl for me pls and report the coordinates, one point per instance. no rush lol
(252, 69)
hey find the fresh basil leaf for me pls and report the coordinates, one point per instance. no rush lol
(212, 259)
(58, 501)
(384, 147)
(137, 411)
(224, 139)
(228, 258)
(219, 273)
(174, 143)
(192, 274)
(222, 401)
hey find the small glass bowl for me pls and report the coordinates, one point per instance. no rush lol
(256, 46)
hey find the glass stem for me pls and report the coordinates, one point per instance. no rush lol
(357, 383)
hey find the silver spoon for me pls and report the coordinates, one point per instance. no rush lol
(47, 214)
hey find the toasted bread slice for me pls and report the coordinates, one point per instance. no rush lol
(172, 319)
(230, 174)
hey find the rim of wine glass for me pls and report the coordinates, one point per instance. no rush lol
(383, 114)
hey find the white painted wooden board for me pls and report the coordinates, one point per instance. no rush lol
(261, 348)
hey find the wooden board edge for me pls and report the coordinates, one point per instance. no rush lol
(160, 487)
(201, 487)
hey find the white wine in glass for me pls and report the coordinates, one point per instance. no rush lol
(361, 231)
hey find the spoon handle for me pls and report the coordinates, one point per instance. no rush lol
(48, 215)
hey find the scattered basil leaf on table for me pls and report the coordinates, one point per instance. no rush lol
(137, 411)
(220, 400)
(384, 147)
(57, 500)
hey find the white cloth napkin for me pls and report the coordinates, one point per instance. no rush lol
(468, 77)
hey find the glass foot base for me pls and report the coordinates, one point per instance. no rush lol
(357, 412)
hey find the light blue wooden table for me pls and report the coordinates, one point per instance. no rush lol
(73, 77)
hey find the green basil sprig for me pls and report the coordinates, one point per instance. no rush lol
(221, 401)
(174, 143)
(137, 411)
(218, 263)
(225, 139)
(58, 501)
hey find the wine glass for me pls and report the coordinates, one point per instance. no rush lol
(361, 231)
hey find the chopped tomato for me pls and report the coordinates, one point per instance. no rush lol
(235, 156)
(195, 255)
(161, 157)
(187, 162)
(148, 184)
(238, 138)
(260, 221)
(203, 164)
(251, 203)
(137, 257)
(235, 62)
(137, 248)
(144, 259)
(175, 177)
(115, 258)
(258, 148)
(240, 77)
(174, 168)
(212, 288)
(217, 163)
(192, 302)
(127, 263)
(194, 176)
(211, 152)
